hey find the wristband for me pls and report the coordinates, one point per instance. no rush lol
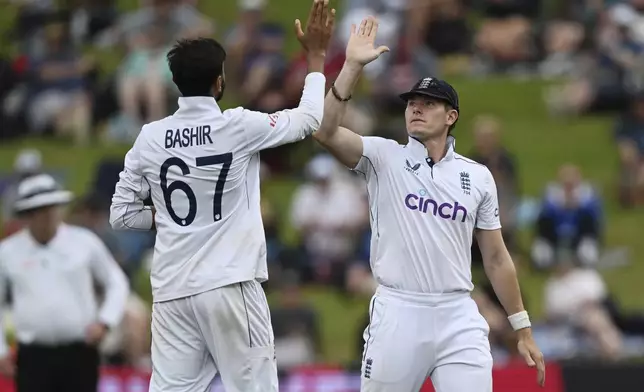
(519, 320)
(337, 95)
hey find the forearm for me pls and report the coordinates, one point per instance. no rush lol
(315, 62)
(131, 216)
(334, 109)
(503, 276)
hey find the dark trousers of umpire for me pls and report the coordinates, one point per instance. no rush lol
(62, 368)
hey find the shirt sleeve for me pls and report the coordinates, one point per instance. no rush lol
(128, 210)
(265, 130)
(109, 275)
(374, 151)
(487, 216)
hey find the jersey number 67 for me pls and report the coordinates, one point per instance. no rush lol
(225, 159)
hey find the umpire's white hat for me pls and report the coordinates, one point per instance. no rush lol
(40, 191)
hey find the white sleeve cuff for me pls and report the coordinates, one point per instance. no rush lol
(315, 78)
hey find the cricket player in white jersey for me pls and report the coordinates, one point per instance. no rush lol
(201, 168)
(426, 202)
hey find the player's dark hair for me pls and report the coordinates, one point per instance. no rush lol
(195, 65)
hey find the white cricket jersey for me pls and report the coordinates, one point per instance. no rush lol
(423, 215)
(201, 167)
(52, 285)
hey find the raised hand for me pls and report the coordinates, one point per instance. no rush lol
(319, 28)
(360, 49)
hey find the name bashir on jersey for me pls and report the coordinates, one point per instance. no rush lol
(187, 137)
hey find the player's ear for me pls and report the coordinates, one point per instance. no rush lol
(452, 116)
(219, 84)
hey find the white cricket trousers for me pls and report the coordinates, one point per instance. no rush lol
(412, 336)
(226, 330)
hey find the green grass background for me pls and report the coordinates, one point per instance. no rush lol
(540, 143)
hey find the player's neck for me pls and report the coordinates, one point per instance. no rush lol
(436, 147)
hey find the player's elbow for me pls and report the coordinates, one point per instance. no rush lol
(311, 117)
(314, 120)
(117, 220)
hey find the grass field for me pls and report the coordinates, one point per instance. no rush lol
(540, 144)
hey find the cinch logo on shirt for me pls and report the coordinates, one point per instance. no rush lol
(428, 205)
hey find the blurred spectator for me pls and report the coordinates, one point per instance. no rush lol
(617, 70)
(570, 219)
(57, 88)
(629, 131)
(144, 77)
(89, 18)
(506, 38)
(489, 151)
(262, 70)
(178, 19)
(11, 98)
(28, 163)
(329, 213)
(31, 17)
(295, 326)
(448, 32)
(243, 39)
(562, 40)
(143, 85)
(574, 296)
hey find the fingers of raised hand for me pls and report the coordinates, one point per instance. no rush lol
(374, 28)
(298, 29)
(369, 26)
(330, 19)
(313, 12)
(363, 26)
(324, 10)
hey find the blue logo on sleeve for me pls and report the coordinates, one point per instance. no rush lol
(422, 203)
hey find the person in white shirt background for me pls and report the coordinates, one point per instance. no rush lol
(201, 168)
(329, 211)
(50, 268)
(426, 203)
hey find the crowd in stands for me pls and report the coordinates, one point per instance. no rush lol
(56, 85)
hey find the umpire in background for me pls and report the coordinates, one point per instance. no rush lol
(50, 268)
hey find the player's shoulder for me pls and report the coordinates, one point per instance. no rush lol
(251, 118)
(383, 145)
(14, 241)
(162, 123)
(153, 127)
(468, 165)
(383, 141)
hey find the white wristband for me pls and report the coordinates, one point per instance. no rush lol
(519, 320)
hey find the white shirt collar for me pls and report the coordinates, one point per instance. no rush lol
(418, 149)
(190, 104)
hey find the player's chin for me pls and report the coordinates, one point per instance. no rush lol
(418, 130)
